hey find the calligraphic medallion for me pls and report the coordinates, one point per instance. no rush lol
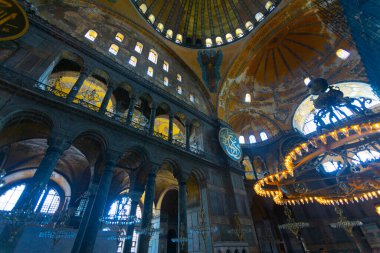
(230, 144)
(13, 20)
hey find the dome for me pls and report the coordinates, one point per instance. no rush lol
(205, 23)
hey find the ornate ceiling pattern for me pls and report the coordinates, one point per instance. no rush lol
(206, 23)
(273, 66)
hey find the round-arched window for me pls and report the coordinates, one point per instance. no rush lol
(48, 202)
(303, 119)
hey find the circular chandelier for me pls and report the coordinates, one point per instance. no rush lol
(340, 164)
(206, 23)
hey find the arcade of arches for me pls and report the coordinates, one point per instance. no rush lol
(111, 114)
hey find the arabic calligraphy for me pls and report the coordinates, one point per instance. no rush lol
(13, 20)
(230, 144)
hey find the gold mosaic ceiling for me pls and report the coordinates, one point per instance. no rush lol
(205, 23)
(297, 43)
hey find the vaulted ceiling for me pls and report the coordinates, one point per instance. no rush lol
(298, 39)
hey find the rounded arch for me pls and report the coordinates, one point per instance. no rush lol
(72, 57)
(21, 176)
(21, 125)
(122, 98)
(253, 123)
(305, 111)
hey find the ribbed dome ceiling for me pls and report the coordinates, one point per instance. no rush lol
(204, 23)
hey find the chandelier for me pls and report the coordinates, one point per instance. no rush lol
(339, 164)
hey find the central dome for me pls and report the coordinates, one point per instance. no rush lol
(204, 23)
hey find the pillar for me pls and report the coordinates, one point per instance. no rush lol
(131, 108)
(147, 212)
(187, 125)
(32, 192)
(204, 203)
(106, 99)
(171, 117)
(360, 241)
(135, 198)
(89, 230)
(152, 117)
(363, 19)
(57, 145)
(78, 84)
(182, 215)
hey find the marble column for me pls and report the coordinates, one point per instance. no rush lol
(147, 213)
(204, 204)
(106, 99)
(57, 144)
(152, 118)
(131, 108)
(29, 198)
(187, 125)
(84, 74)
(171, 118)
(135, 199)
(85, 242)
(182, 216)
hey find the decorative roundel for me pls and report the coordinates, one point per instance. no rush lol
(230, 144)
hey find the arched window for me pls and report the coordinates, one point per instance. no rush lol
(365, 155)
(169, 34)
(342, 54)
(191, 98)
(48, 202)
(247, 98)
(165, 66)
(252, 139)
(241, 139)
(153, 56)
(179, 78)
(119, 37)
(133, 61)
(249, 26)
(91, 35)
(303, 119)
(114, 49)
(120, 210)
(150, 71)
(9, 199)
(143, 8)
(263, 136)
(208, 42)
(259, 17)
(229, 37)
(178, 39)
(139, 47)
(239, 32)
(151, 18)
(179, 90)
(331, 166)
(51, 202)
(269, 6)
(160, 27)
(166, 81)
(219, 40)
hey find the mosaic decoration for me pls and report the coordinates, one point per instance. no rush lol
(13, 20)
(230, 144)
(210, 61)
